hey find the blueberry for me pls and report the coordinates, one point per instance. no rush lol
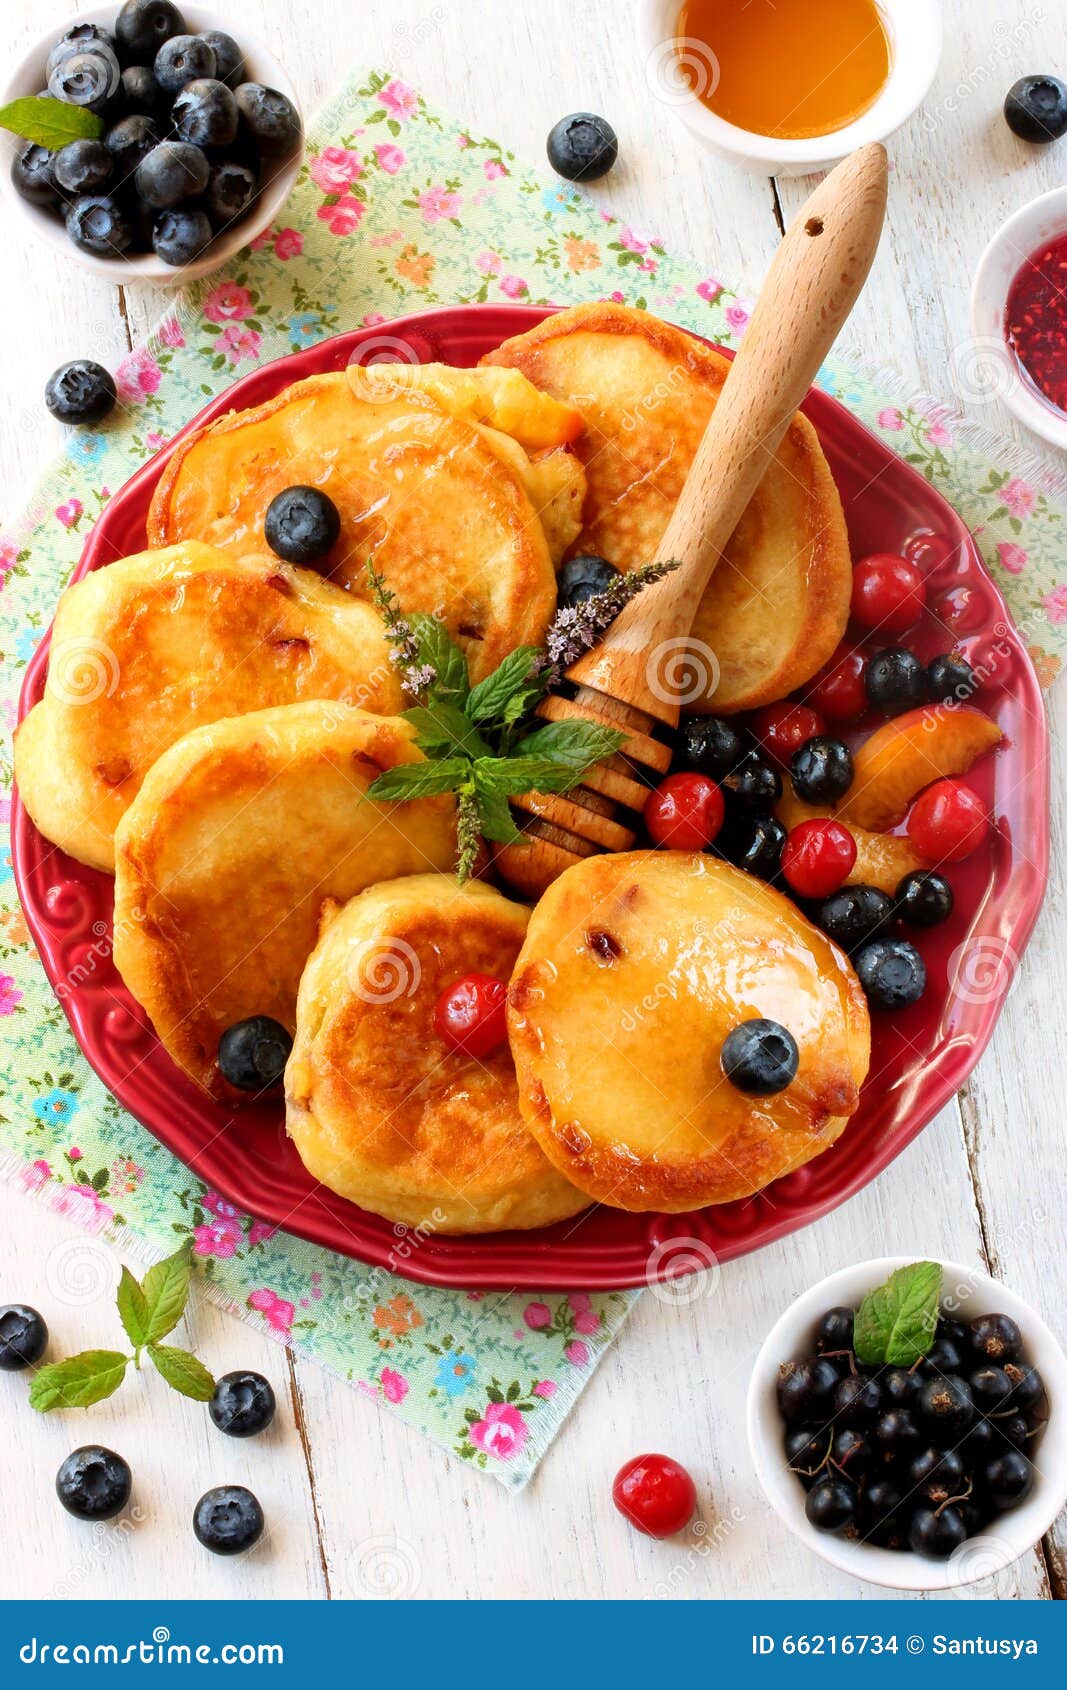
(754, 785)
(182, 59)
(1036, 109)
(943, 1356)
(831, 1505)
(91, 78)
(94, 1483)
(80, 392)
(855, 915)
(301, 524)
(983, 1441)
(709, 745)
(956, 1331)
(82, 38)
(130, 141)
(851, 1453)
(805, 1390)
(858, 1401)
(895, 681)
(142, 26)
(181, 235)
(268, 117)
(880, 1513)
(755, 844)
(32, 172)
(581, 577)
(806, 1450)
(996, 1338)
(98, 224)
(83, 167)
(229, 60)
(252, 1054)
(1008, 1479)
(231, 191)
(923, 899)
(936, 1532)
(835, 1329)
(937, 1474)
(1027, 1385)
(900, 1387)
(821, 769)
(228, 1520)
(946, 1407)
(1013, 1430)
(172, 172)
(23, 1337)
(582, 147)
(897, 1433)
(891, 972)
(243, 1404)
(760, 1057)
(140, 91)
(990, 1387)
(205, 113)
(950, 678)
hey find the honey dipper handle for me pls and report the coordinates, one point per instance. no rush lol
(813, 282)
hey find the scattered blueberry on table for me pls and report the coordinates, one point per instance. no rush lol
(228, 1520)
(23, 1337)
(94, 1483)
(243, 1404)
(1036, 109)
(80, 392)
(582, 147)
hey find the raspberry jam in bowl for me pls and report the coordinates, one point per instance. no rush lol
(1019, 320)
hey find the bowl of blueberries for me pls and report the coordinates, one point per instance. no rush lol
(906, 1421)
(172, 143)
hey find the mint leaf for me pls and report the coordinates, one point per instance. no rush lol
(165, 1289)
(579, 744)
(442, 728)
(183, 1372)
(436, 647)
(79, 1381)
(50, 123)
(509, 680)
(495, 820)
(133, 1310)
(896, 1323)
(420, 780)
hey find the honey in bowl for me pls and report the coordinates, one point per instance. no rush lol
(786, 68)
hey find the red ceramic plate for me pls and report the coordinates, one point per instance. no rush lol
(920, 1057)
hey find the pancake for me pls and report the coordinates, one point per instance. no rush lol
(422, 494)
(380, 1109)
(155, 645)
(223, 861)
(777, 605)
(634, 970)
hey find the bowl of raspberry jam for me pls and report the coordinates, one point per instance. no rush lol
(1019, 320)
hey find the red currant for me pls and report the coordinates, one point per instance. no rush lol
(782, 728)
(818, 857)
(888, 592)
(469, 1015)
(656, 1494)
(685, 812)
(947, 822)
(839, 690)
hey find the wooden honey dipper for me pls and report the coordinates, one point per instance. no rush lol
(813, 282)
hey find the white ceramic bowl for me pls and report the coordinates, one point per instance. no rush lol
(1010, 1535)
(29, 78)
(914, 28)
(993, 361)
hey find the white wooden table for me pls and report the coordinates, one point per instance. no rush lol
(357, 1505)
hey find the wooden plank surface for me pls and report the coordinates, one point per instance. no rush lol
(357, 1505)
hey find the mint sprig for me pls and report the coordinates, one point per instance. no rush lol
(149, 1310)
(895, 1324)
(50, 123)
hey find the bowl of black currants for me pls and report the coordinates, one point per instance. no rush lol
(148, 141)
(906, 1421)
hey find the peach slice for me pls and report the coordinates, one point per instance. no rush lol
(882, 859)
(906, 754)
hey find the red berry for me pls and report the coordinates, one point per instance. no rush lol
(947, 822)
(838, 690)
(685, 812)
(656, 1494)
(782, 728)
(817, 857)
(469, 1014)
(888, 592)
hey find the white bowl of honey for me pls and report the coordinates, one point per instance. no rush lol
(791, 86)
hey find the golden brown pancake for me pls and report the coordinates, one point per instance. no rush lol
(634, 970)
(152, 646)
(777, 604)
(421, 494)
(237, 837)
(380, 1109)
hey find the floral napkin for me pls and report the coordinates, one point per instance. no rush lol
(396, 208)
